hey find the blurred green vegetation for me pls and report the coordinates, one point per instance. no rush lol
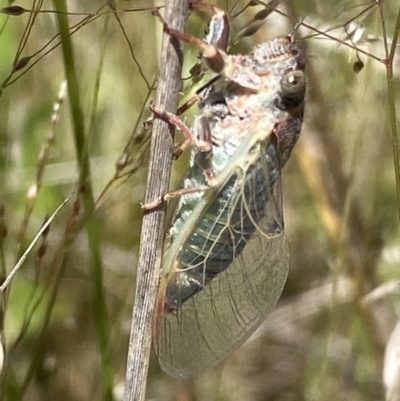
(67, 312)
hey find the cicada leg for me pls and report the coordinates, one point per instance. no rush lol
(171, 195)
(203, 158)
(203, 142)
(213, 51)
(219, 32)
(199, 95)
(218, 35)
(213, 56)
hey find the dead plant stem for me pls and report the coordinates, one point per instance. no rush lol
(167, 96)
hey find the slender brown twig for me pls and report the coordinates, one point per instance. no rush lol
(153, 223)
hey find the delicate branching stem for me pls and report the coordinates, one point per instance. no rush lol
(22, 259)
(153, 222)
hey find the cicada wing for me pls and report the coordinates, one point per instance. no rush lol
(264, 207)
(210, 325)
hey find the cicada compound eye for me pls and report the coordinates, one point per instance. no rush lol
(293, 83)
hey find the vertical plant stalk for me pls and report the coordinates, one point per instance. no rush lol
(96, 266)
(167, 97)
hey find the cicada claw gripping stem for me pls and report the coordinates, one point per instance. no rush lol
(169, 196)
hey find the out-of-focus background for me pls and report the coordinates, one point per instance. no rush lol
(328, 336)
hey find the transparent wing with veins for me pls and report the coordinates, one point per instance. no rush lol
(209, 325)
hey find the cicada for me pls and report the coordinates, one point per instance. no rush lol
(226, 256)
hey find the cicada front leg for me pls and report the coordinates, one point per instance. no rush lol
(219, 30)
(212, 53)
(213, 49)
(218, 36)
